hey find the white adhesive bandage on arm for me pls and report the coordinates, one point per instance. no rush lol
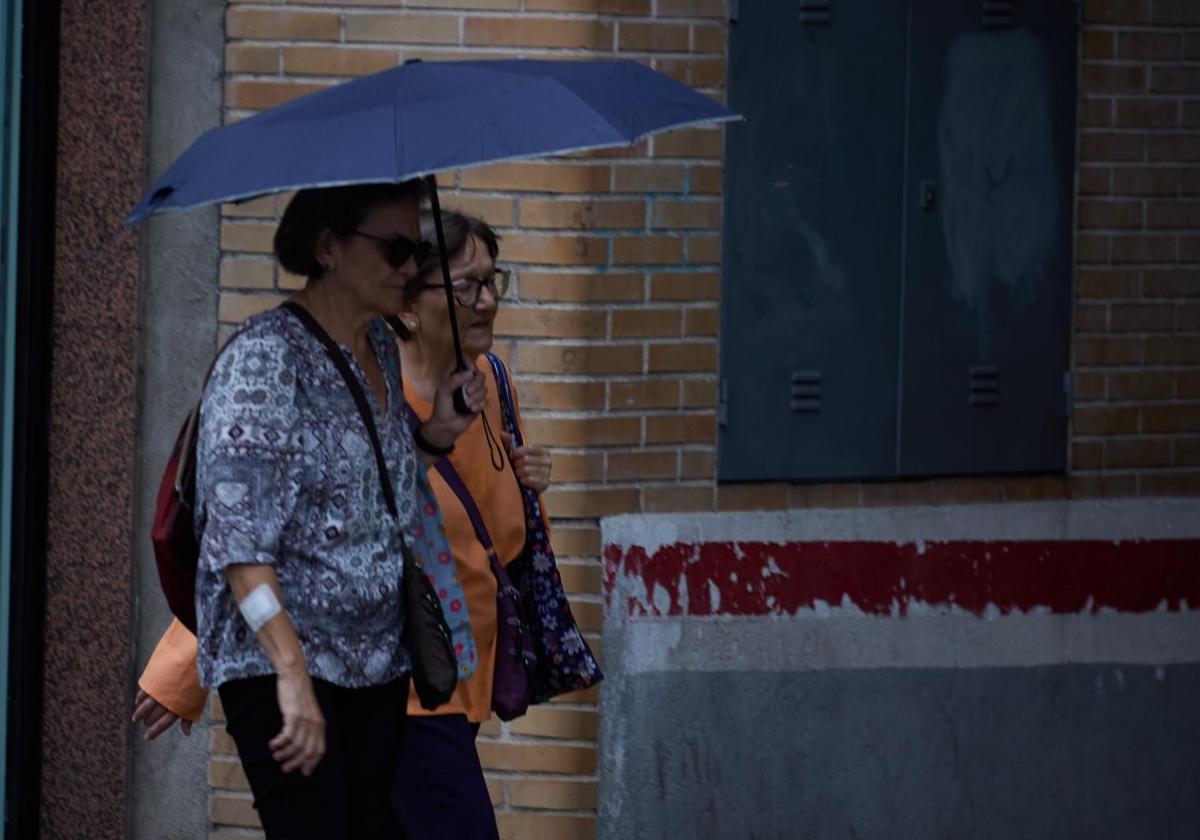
(260, 606)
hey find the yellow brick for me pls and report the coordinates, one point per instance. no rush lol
(697, 465)
(247, 274)
(629, 323)
(606, 7)
(497, 5)
(588, 504)
(234, 308)
(554, 795)
(653, 37)
(227, 775)
(643, 393)
(536, 758)
(703, 249)
(591, 431)
(552, 323)
(580, 359)
(706, 180)
(588, 614)
(537, 285)
(629, 250)
(694, 72)
(216, 712)
(699, 393)
(683, 357)
(701, 322)
(677, 499)
(577, 577)
(703, 215)
(247, 58)
(584, 215)
(338, 61)
(290, 281)
(709, 39)
(576, 540)
(258, 95)
(497, 212)
(495, 789)
(634, 466)
(692, 8)
(491, 728)
(541, 177)
(688, 286)
(237, 812)
(252, 208)
(255, 237)
(574, 468)
(752, 497)
(653, 177)
(282, 26)
(402, 28)
(532, 826)
(549, 722)
(688, 143)
(538, 32)
(687, 428)
(546, 249)
(571, 396)
(222, 743)
(587, 695)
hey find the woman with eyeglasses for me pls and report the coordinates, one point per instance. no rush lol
(298, 586)
(439, 789)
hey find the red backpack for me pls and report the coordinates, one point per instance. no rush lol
(176, 548)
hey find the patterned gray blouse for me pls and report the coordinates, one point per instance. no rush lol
(285, 476)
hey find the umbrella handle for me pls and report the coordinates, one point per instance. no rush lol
(460, 396)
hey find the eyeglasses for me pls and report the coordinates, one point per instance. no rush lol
(468, 289)
(399, 248)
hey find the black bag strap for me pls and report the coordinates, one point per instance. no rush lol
(360, 398)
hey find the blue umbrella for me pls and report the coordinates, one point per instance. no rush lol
(421, 118)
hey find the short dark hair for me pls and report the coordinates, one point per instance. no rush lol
(458, 228)
(339, 209)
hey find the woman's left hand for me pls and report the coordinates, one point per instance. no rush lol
(532, 464)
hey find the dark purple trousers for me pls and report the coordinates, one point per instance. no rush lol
(439, 791)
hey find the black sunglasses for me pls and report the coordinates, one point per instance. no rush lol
(400, 248)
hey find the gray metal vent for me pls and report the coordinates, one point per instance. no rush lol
(983, 385)
(806, 391)
(816, 12)
(998, 14)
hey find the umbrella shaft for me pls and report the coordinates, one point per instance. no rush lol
(460, 403)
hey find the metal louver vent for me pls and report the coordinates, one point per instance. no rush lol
(983, 386)
(816, 12)
(998, 14)
(806, 390)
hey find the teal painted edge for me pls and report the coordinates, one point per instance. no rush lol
(11, 32)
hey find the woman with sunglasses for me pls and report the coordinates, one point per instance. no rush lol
(298, 583)
(439, 789)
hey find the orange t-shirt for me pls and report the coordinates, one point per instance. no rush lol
(170, 676)
(498, 497)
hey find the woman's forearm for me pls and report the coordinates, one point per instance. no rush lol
(277, 636)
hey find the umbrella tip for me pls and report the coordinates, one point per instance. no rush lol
(414, 61)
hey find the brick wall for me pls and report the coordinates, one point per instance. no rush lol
(616, 257)
(612, 329)
(1137, 317)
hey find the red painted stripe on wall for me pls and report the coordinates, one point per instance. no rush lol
(759, 579)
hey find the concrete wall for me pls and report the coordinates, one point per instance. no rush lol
(169, 777)
(1024, 670)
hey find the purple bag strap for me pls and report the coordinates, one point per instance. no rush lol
(455, 482)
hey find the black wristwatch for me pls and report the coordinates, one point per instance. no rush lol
(425, 446)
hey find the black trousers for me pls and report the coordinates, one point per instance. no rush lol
(346, 797)
(439, 792)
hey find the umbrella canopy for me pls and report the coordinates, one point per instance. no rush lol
(422, 118)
